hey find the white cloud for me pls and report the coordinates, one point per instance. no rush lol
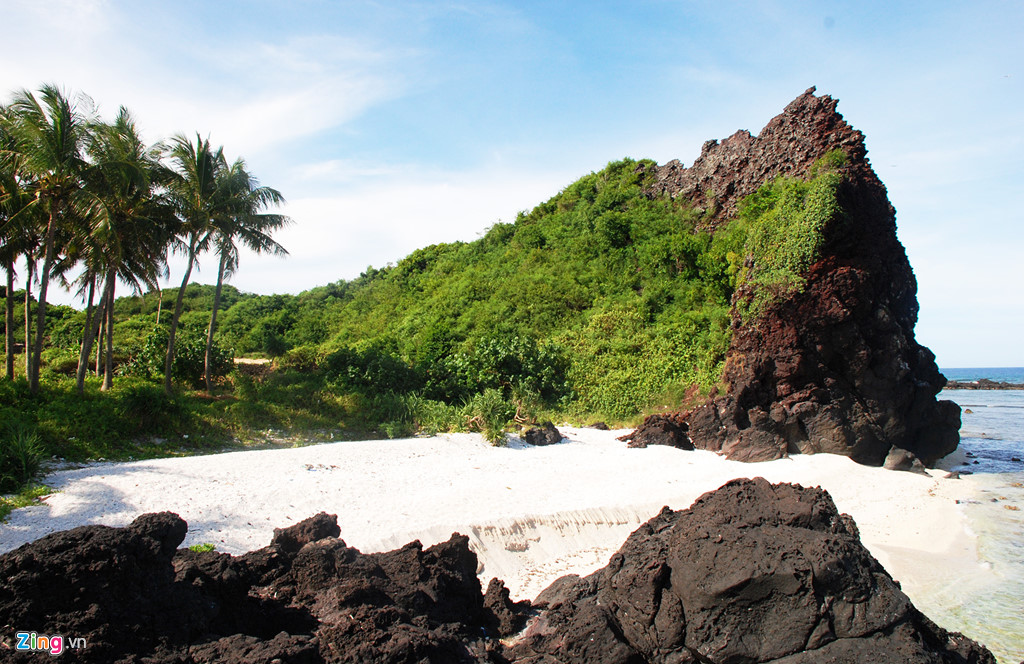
(247, 94)
(343, 171)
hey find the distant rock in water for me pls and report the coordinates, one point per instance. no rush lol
(752, 572)
(983, 384)
(834, 367)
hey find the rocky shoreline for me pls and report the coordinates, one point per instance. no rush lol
(982, 384)
(752, 572)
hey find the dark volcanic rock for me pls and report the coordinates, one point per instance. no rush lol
(728, 171)
(114, 586)
(305, 598)
(752, 572)
(546, 434)
(834, 368)
(900, 459)
(509, 616)
(660, 429)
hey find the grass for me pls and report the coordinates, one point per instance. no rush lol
(29, 495)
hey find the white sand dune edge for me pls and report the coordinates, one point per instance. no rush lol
(532, 514)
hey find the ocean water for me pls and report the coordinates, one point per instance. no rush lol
(997, 374)
(992, 437)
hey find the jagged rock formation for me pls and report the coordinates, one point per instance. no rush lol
(752, 572)
(305, 598)
(834, 368)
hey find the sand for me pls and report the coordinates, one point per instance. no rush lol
(532, 513)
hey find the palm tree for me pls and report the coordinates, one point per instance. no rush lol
(240, 220)
(19, 232)
(49, 132)
(194, 192)
(130, 243)
(14, 239)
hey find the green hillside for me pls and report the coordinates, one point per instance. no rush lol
(602, 303)
(614, 293)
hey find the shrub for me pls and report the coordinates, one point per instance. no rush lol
(621, 364)
(489, 413)
(301, 358)
(432, 416)
(147, 360)
(190, 360)
(371, 368)
(21, 454)
(146, 408)
(393, 412)
(514, 364)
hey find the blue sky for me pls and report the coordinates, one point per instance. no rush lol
(393, 125)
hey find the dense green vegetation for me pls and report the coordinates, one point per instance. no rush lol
(602, 303)
(783, 223)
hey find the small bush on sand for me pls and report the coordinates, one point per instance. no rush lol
(489, 413)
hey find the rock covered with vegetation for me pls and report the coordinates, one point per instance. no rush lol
(822, 356)
(752, 572)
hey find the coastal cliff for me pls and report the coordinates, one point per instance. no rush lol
(832, 366)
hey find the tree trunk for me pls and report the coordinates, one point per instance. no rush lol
(108, 363)
(30, 269)
(159, 304)
(44, 281)
(169, 359)
(99, 335)
(9, 322)
(87, 338)
(213, 324)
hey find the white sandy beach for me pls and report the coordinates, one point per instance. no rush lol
(532, 514)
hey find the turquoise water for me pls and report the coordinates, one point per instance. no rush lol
(992, 435)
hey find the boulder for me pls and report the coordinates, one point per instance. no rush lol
(752, 572)
(900, 459)
(546, 434)
(660, 429)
